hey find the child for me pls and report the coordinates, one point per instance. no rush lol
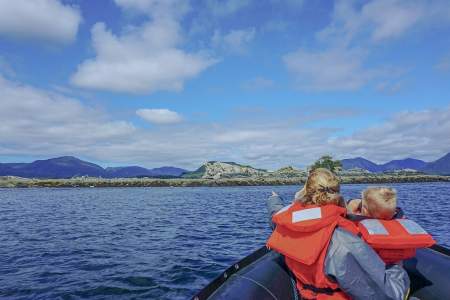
(378, 203)
(381, 225)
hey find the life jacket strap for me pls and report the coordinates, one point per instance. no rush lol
(318, 290)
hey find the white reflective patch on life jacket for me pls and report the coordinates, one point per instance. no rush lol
(284, 208)
(306, 214)
(374, 226)
(411, 227)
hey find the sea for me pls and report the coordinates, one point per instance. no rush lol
(152, 243)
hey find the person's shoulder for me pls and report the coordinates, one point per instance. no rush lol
(346, 239)
(348, 244)
(343, 246)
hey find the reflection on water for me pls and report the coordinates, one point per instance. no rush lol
(143, 243)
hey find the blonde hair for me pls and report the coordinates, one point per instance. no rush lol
(381, 202)
(321, 188)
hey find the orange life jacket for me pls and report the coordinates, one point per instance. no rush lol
(302, 234)
(394, 240)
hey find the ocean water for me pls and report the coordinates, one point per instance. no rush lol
(151, 243)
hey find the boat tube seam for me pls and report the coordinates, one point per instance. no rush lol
(439, 252)
(294, 286)
(256, 282)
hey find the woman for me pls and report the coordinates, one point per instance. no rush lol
(322, 249)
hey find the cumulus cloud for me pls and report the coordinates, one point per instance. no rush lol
(235, 41)
(420, 134)
(159, 116)
(338, 62)
(47, 20)
(380, 19)
(142, 59)
(333, 69)
(37, 122)
(391, 18)
(383, 19)
(239, 136)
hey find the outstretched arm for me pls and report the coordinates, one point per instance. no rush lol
(274, 204)
(360, 272)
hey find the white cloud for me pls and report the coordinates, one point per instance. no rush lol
(143, 59)
(333, 69)
(35, 121)
(47, 20)
(159, 116)
(239, 136)
(235, 41)
(392, 18)
(339, 60)
(422, 134)
(383, 19)
(45, 124)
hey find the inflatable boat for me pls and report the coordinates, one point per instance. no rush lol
(263, 275)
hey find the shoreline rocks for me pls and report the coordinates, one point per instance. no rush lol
(18, 182)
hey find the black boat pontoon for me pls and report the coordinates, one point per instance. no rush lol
(263, 275)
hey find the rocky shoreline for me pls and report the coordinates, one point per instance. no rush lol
(91, 182)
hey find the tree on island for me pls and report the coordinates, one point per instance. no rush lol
(327, 162)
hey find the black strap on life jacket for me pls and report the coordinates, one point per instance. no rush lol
(318, 290)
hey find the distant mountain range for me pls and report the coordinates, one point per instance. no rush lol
(440, 166)
(69, 166)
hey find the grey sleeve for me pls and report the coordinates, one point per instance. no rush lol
(360, 272)
(274, 204)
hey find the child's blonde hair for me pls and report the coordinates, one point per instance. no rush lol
(321, 188)
(380, 202)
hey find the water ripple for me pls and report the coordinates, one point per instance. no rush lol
(150, 243)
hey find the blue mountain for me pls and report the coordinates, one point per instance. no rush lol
(135, 171)
(168, 171)
(69, 166)
(124, 172)
(408, 163)
(361, 163)
(440, 166)
(60, 167)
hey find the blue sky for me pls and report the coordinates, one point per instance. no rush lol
(266, 83)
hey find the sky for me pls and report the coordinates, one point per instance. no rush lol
(266, 83)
